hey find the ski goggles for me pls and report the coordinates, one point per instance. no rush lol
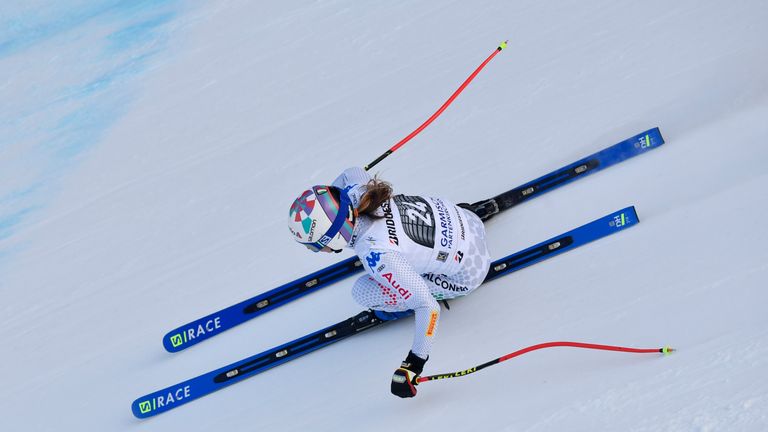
(338, 222)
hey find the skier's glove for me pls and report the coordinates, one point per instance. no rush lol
(404, 379)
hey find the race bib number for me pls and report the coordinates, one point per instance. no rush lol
(417, 219)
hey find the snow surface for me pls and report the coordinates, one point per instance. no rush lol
(149, 151)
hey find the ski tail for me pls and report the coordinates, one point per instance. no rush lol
(606, 225)
(617, 153)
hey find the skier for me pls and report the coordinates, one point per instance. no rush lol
(416, 250)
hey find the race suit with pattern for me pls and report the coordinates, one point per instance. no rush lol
(421, 250)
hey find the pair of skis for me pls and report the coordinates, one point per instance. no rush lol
(211, 325)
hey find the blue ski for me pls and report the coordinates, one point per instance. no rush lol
(211, 325)
(187, 391)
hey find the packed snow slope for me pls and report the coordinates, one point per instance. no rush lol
(149, 152)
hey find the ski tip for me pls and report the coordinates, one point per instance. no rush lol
(172, 342)
(667, 350)
(141, 409)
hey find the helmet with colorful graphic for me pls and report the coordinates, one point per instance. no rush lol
(322, 217)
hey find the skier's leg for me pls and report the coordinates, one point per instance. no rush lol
(381, 299)
(371, 294)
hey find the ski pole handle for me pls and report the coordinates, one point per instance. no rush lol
(439, 111)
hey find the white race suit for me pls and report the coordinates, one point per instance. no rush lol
(420, 250)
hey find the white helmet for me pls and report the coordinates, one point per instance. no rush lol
(322, 216)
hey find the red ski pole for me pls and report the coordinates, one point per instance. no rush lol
(665, 351)
(440, 110)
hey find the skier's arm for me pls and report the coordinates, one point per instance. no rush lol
(356, 179)
(400, 281)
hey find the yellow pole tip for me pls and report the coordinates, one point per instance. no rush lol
(503, 45)
(667, 350)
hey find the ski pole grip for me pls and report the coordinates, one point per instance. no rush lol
(377, 160)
